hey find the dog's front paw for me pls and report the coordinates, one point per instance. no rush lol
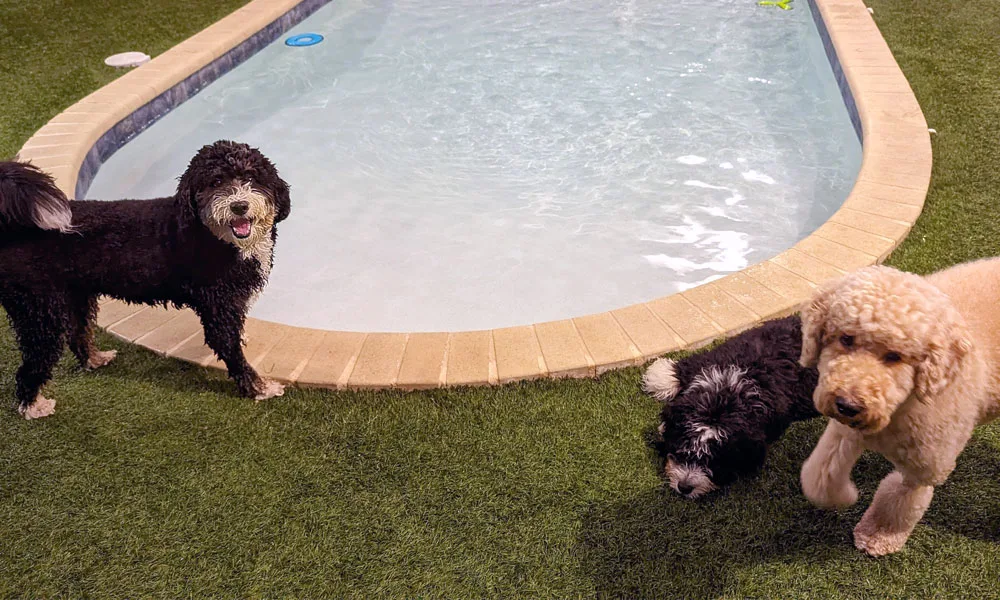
(823, 490)
(841, 496)
(873, 542)
(41, 407)
(100, 358)
(269, 389)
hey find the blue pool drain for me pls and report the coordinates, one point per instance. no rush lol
(304, 39)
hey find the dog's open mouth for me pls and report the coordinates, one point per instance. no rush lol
(241, 227)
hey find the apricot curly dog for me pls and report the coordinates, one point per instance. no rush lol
(908, 366)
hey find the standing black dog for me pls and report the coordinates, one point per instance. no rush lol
(209, 247)
(724, 407)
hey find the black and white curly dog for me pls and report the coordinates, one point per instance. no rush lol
(724, 407)
(208, 247)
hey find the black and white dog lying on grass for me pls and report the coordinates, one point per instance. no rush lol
(209, 246)
(724, 407)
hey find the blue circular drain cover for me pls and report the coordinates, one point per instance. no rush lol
(304, 39)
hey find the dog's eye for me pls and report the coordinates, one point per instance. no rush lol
(847, 340)
(217, 181)
(892, 357)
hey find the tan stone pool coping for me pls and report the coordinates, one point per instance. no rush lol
(878, 214)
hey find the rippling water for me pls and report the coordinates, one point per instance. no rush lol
(460, 164)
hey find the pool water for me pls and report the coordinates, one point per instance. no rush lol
(461, 164)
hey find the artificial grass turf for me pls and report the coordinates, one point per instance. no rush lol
(52, 51)
(153, 480)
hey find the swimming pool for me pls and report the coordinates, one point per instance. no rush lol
(461, 166)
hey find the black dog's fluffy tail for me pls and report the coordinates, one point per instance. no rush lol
(29, 198)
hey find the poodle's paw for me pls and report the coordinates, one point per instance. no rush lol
(100, 358)
(842, 496)
(40, 408)
(269, 389)
(824, 493)
(873, 542)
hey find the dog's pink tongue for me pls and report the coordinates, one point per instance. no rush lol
(241, 227)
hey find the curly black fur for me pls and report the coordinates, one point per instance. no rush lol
(156, 252)
(732, 402)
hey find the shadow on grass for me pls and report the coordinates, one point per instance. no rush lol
(657, 544)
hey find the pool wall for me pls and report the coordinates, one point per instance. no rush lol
(879, 212)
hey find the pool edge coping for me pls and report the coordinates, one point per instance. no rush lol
(877, 215)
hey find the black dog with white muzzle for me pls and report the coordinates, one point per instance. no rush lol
(209, 247)
(724, 407)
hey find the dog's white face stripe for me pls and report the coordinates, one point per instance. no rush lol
(715, 379)
(707, 433)
(702, 435)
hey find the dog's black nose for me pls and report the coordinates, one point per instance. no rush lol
(684, 488)
(239, 208)
(846, 408)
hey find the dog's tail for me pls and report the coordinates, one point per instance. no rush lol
(660, 380)
(29, 198)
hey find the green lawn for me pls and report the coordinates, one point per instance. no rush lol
(153, 480)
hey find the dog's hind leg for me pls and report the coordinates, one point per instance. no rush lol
(897, 507)
(41, 333)
(224, 335)
(826, 474)
(83, 312)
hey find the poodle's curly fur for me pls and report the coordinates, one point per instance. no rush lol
(209, 247)
(908, 366)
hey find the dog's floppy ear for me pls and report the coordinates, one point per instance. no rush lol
(282, 200)
(186, 197)
(946, 355)
(814, 314)
(660, 380)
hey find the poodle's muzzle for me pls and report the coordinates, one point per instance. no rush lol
(859, 390)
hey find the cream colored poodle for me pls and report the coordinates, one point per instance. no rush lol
(908, 366)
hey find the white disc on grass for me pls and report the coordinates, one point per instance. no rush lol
(126, 59)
